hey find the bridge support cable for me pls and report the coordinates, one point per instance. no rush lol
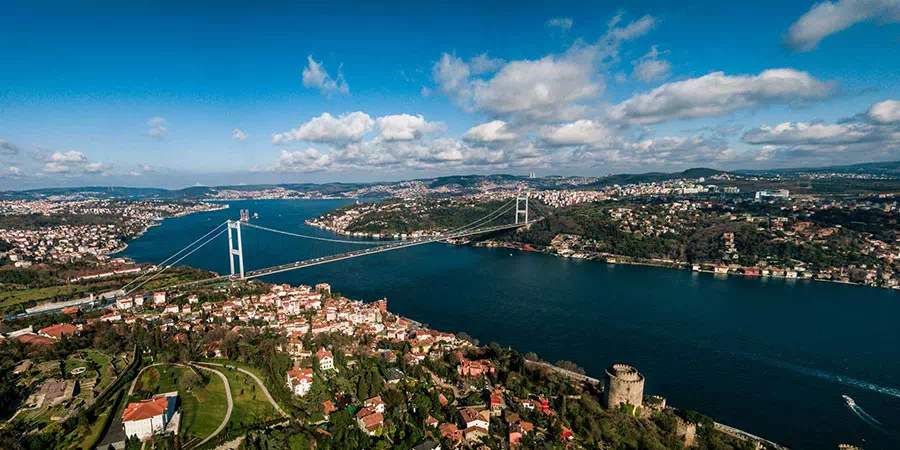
(317, 238)
(176, 261)
(491, 216)
(538, 209)
(487, 218)
(176, 254)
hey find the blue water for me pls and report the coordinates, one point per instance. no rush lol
(772, 357)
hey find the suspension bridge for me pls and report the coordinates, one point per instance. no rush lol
(484, 225)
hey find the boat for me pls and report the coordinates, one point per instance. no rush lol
(850, 402)
(256, 215)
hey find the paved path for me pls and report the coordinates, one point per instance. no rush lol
(227, 397)
(258, 381)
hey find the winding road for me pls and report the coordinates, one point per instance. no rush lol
(194, 366)
(227, 397)
(258, 381)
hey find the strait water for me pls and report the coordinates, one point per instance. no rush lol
(771, 357)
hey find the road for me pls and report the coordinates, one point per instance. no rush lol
(380, 249)
(227, 397)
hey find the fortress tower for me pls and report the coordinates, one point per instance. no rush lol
(624, 384)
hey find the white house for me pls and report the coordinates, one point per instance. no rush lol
(124, 303)
(299, 381)
(146, 418)
(326, 359)
(472, 418)
(138, 300)
(159, 298)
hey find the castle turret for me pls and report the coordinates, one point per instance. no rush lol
(624, 385)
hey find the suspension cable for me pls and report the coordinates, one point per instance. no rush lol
(538, 209)
(317, 238)
(176, 262)
(497, 211)
(176, 253)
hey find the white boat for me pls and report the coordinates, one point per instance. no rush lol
(850, 402)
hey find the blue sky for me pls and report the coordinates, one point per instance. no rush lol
(173, 94)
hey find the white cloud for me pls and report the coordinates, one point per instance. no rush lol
(484, 64)
(12, 171)
(405, 127)
(94, 168)
(813, 134)
(52, 167)
(717, 93)
(494, 131)
(68, 157)
(864, 137)
(543, 89)
(329, 129)
(551, 88)
(633, 30)
(885, 112)
(157, 127)
(452, 76)
(581, 132)
(8, 148)
(309, 160)
(650, 68)
(827, 18)
(315, 76)
(239, 135)
(562, 23)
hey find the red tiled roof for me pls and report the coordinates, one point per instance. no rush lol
(59, 330)
(372, 421)
(144, 409)
(34, 339)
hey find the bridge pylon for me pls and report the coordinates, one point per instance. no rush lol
(522, 211)
(232, 251)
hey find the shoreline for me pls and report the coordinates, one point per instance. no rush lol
(159, 222)
(631, 261)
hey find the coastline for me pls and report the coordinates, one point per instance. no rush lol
(158, 222)
(613, 259)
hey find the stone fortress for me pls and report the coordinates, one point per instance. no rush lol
(624, 385)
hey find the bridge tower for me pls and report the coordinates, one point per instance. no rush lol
(522, 211)
(239, 251)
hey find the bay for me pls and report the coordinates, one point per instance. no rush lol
(769, 356)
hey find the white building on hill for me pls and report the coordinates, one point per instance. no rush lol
(149, 417)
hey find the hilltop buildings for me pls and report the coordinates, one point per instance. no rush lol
(146, 418)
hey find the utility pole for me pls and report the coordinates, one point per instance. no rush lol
(239, 251)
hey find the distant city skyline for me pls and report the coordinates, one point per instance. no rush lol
(166, 94)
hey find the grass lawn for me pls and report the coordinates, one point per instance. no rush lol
(94, 430)
(202, 408)
(10, 298)
(250, 403)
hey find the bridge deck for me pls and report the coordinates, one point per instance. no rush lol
(373, 250)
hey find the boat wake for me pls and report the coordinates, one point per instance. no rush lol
(866, 417)
(840, 379)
